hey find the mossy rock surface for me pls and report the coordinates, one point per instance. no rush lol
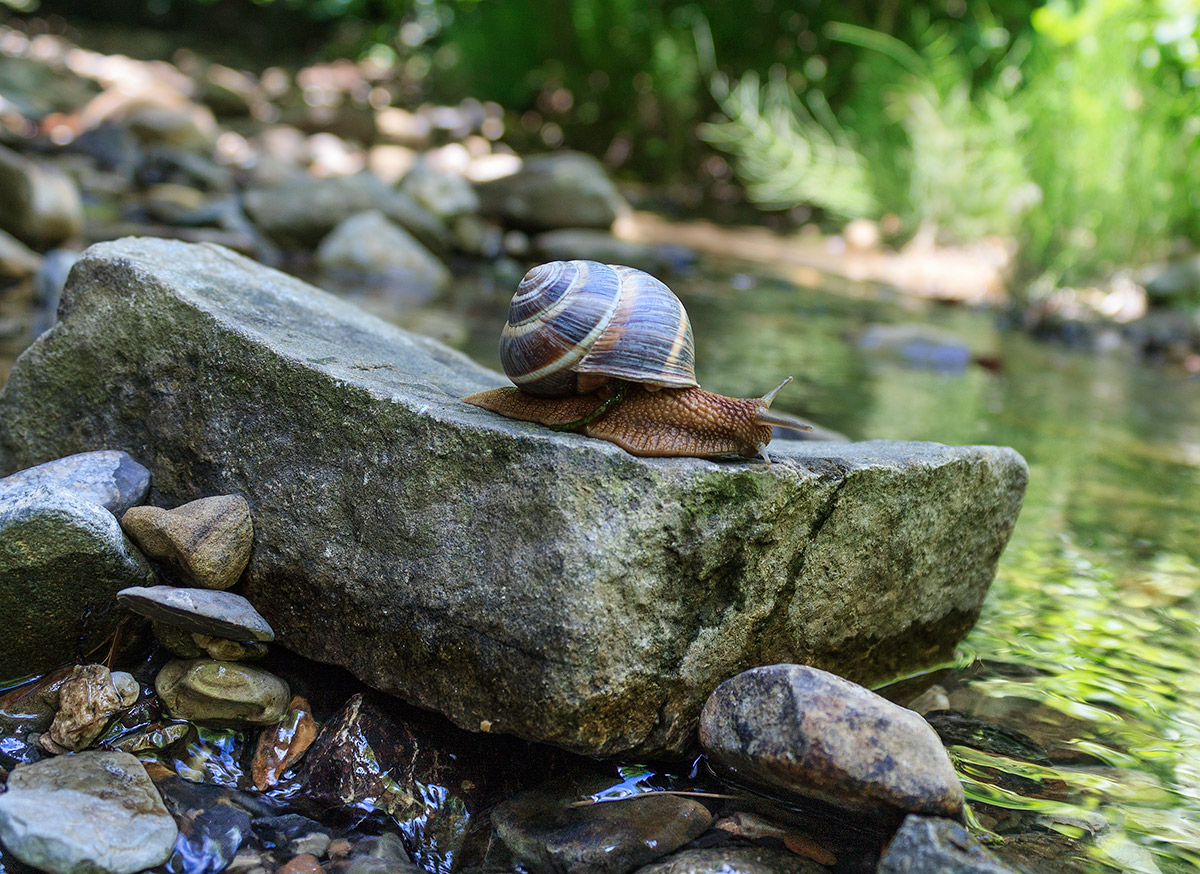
(541, 584)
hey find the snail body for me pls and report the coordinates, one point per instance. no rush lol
(607, 351)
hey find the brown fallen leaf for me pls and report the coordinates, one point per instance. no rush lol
(281, 746)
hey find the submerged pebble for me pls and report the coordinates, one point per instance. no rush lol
(95, 812)
(281, 746)
(805, 731)
(733, 860)
(547, 831)
(934, 844)
(205, 690)
(209, 539)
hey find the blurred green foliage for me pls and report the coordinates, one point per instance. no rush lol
(1069, 124)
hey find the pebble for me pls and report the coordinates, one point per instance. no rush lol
(17, 261)
(733, 860)
(941, 845)
(380, 855)
(39, 204)
(304, 863)
(157, 736)
(546, 831)
(558, 190)
(805, 731)
(202, 611)
(282, 745)
(443, 192)
(213, 841)
(210, 538)
(229, 650)
(62, 559)
(88, 700)
(370, 245)
(108, 477)
(281, 830)
(315, 844)
(205, 690)
(94, 812)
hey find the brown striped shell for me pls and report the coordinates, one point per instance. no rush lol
(607, 321)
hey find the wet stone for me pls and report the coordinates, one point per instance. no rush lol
(210, 539)
(205, 690)
(805, 731)
(107, 477)
(153, 737)
(303, 863)
(94, 812)
(201, 611)
(88, 700)
(313, 843)
(384, 854)
(62, 560)
(546, 831)
(280, 831)
(214, 838)
(733, 860)
(935, 844)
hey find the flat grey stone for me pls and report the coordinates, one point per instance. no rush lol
(207, 611)
(87, 813)
(556, 190)
(932, 844)
(62, 561)
(516, 579)
(108, 477)
(807, 732)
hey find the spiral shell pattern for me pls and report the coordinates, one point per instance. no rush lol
(573, 317)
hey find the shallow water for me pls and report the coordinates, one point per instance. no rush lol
(1088, 641)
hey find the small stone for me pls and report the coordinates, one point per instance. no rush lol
(371, 245)
(557, 190)
(733, 860)
(545, 830)
(201, 611)
(305, 863)
(88, 700)
(933, 698)
(94, 812)
(443, 192)
(806, 731)
(62, 559)
(17, 261)
(380, 855)
(39, 204)
(229, 650)
(282, 745)
(313, 843)
(107, 477)
(204, 690)
(177, 640)
(280, 830)
(209, 538)
(339, 847)
(158, 736)
(213, 841)
(935, 844)
(127, 687)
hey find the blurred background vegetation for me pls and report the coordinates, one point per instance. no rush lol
(1070, 126)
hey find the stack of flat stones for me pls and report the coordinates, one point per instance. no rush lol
(215, 633)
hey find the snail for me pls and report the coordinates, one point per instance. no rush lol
(607, 351)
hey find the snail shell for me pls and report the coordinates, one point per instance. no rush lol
(573, 325)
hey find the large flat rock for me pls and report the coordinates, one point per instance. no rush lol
(516, 579)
